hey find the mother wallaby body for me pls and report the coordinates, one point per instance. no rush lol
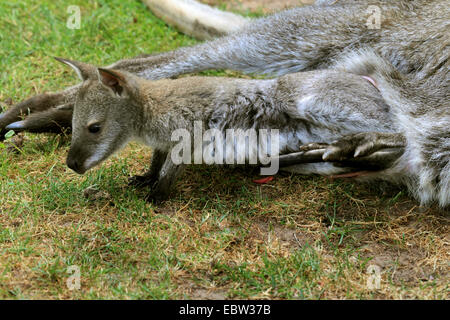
(412, 35)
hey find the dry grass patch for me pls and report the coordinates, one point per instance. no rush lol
(221, 235)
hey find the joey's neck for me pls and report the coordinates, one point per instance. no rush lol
(195, 97)
(173, 104)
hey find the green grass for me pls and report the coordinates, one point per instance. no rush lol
(221, 236)
(32, 32)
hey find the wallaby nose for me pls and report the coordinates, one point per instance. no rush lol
(73, 164)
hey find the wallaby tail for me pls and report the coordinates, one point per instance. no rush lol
(195, 19)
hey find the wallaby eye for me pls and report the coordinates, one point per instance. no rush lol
(94, 128)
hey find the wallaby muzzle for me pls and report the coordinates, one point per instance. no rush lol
(74, 161)
(75, 165)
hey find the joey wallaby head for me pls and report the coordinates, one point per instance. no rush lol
(105, 107)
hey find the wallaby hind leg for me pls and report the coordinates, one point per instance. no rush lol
(55, 120)
(149, 178)
(52, 120)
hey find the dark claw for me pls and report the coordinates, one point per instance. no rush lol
(313, 146)
(310, 156)
(16, 126)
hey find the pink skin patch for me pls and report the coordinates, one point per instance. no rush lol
(351, 175)
(263, 180)
(372, 81)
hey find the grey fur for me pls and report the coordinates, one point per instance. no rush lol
(131, 108)
(408, 58)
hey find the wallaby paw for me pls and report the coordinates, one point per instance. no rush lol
(47, 112)
(159, 192)
(368, 150)
(156, 197)
(353, 146)
(142, 181)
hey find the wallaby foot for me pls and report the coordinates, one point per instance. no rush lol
(142, 180)
(160, 178)
(54, 120)
(152, 175)
(367, 150)
(159, 190)
(361, 145)
(47, 112)
(159, 193)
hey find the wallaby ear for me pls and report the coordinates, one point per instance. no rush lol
(84, 71)
(112, 79)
